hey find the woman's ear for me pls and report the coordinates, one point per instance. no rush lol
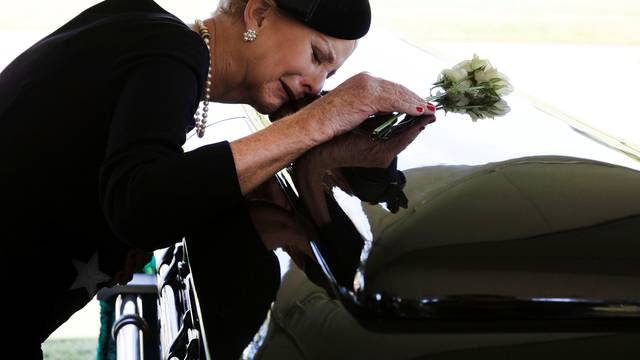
(255, 12)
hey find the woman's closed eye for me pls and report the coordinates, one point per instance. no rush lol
(315, 56)
(318, 58)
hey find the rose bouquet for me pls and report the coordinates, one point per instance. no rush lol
(473, 87)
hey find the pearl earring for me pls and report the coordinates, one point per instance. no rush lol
(249, 35)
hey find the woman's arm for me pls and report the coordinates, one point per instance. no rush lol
(152, 193)
(259, 156)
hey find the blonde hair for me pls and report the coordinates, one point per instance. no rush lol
(235, 8)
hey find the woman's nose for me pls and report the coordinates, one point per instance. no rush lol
(314, 83)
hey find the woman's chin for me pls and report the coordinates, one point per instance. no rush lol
(266, 103)
(267, 106)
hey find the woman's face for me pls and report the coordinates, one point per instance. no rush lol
(289, 60)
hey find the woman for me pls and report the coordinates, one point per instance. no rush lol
(92, 119)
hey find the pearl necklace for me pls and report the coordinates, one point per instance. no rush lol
(201, 121)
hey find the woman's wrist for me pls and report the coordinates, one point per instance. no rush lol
(311, 126)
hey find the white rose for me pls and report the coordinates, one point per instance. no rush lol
(475, 82)
(455, 75)
(485, 75)
(466, 65)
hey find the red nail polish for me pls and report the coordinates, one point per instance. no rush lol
(419, 108)
(431, 107)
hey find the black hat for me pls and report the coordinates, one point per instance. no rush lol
(343, 19)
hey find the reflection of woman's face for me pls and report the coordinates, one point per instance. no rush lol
(289, 60)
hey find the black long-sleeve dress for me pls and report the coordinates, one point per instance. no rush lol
(92, 120)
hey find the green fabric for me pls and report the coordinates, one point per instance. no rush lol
(150, 268)
(599, 262)
(106, 343)
(515, 199)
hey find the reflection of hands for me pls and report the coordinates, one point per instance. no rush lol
(377, 185)
(394, 197)
(277, 224)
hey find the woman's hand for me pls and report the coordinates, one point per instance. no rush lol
(320, 166)
(358, 149)
(353, 101)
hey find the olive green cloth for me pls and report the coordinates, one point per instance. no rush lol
(544, 226)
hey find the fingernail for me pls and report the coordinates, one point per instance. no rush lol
(419, 109)
(431, 107)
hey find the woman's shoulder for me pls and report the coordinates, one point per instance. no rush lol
(136, 22)
(127, 33)
(120, 12)
(159, 37)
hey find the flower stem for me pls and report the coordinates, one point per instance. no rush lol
(384, 126)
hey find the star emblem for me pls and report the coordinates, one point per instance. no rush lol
(89, 275)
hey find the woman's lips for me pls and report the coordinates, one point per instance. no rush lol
(288, 92)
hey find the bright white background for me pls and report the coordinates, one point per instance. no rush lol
(577, 57)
